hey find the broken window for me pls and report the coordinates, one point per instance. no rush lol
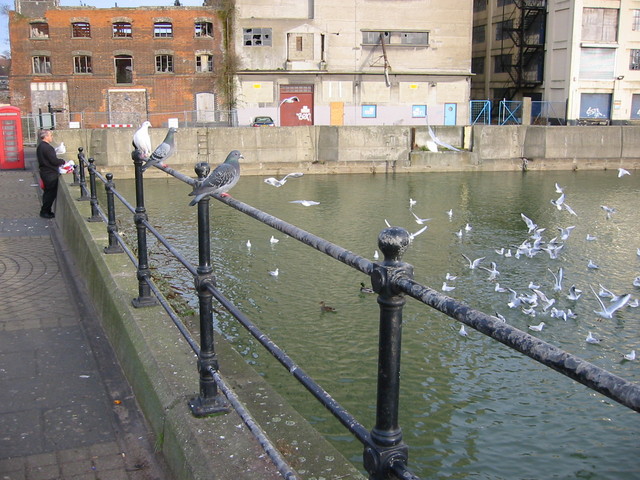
(41, 64)
(204, 29)
(124, 68)
(80, 30)
(82, 64)
(122, 30)
(257, 37)
(164, 63)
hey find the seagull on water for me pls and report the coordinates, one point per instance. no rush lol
(591, 339)
(450, 214)
(222, 179)
(274, 273)
(447, 288)
(473, 264)
(273, 240)
(608, 310)
(448, 276)
(142, 140)
(249, 244)
(537, 328)
(636, 282)
(305, 203)
(278, 183)
(462, 332)
(574, 293)
(630, 356)
(590, 238)
(162, 151)
(592, 265)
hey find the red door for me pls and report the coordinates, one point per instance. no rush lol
(296, 105)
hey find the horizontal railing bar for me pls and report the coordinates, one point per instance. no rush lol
(592, 376)
(181, 258)
(178, 175)
(116, 193)
(345, 256)
(316, 390)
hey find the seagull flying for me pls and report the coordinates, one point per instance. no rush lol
(609, 211)
(305, 203)
(473, 264)
(440, 142)
(222, 179)
(622, 172)
(142, 140)
(162, 151)
(557, 286)
(608, 310)
(558, 203)
(278, 183)
(414, 235)
(493, 271)
(61, 149)
(574, 293)
(420, 221)
(530, 225)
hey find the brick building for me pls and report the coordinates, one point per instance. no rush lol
(115, 65)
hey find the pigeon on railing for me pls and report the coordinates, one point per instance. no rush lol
(222, 179)
(162, 151)
(142, 140)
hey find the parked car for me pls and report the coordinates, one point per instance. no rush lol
(263, 122)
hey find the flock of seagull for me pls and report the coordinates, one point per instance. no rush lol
(535, 302)
(226, 175)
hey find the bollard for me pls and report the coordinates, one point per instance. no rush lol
(145, 298)
(95, 215)
(83, 184)
(210, 401)
(387, 448)
(112, 227)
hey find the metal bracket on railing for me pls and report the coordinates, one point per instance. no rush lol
(95, 216)
(386, 447)
(83, 184)
(112, 226)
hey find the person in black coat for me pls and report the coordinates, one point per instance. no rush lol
(48, 163)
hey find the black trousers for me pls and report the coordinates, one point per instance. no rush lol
(49, 195)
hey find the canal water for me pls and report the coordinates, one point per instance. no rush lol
(470, 407)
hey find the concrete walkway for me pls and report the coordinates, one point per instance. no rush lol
(66, 410)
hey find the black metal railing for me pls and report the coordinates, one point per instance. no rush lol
(385, 453)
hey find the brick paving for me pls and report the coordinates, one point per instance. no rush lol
(66, 410)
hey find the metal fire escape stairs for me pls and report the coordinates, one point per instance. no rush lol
(527, 35)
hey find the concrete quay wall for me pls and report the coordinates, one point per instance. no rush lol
(352, 149)
(161, 369)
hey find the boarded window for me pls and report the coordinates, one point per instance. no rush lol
(300, 46)
(597, 63)
(396, 38)
(204, 63)
(600, 25)
(80, 30)
(635, 106)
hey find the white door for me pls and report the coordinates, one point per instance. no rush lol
(205, 107)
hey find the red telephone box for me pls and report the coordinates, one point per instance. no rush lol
(11, 149)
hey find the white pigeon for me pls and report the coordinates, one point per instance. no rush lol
(608, 310)
(473, 264)
(630, 356)
(537, 328)
(278, 183)
(273, 240)
(447, 288)
(142, 140)
(305, 203)
(61, 149)
(591, 339)
(622, 172)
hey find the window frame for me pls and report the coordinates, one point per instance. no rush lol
(257, 37)
(80, 30)
(634, 54)
(44, 65)
(78, 60)
(41, 27)
(128, 73)
(205, 30)
(208, 63)
(163, 29)
(164, 60)
(635, 20)
(396, 38)
(119, 30)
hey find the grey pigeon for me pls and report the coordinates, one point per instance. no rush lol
(142, 140)
(162, 151)
(223, 178)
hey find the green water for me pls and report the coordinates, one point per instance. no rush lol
(470, 407)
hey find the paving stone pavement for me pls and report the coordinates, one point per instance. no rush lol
(66, 410)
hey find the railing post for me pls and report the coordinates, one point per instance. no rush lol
(145, 298)
(209, 401)
(83, 184)
(112, 226)
(95, 216)
(388, 448)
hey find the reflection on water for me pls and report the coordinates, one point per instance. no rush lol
(468, 404)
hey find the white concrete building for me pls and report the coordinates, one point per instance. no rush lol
(353, 62)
